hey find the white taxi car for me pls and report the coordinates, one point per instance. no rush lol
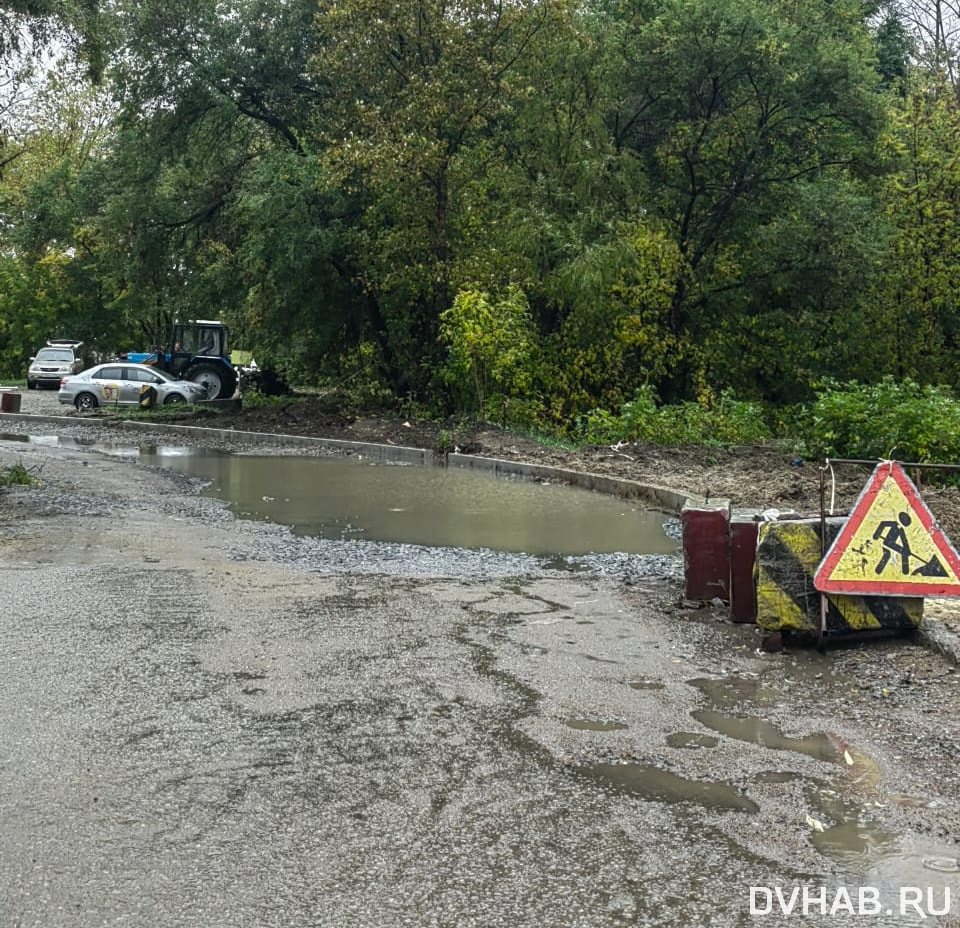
(121, 384)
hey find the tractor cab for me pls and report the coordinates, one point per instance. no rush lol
(201, 338)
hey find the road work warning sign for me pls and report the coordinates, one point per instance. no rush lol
(890, 545)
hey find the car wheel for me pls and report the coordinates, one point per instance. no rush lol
(174, 399)
(31, 385)
(86, 401)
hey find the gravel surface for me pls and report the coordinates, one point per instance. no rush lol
(212, 722)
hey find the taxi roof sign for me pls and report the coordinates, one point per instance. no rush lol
(890, 544)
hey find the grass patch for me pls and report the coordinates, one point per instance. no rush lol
(17, 476)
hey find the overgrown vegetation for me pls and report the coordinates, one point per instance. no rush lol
(724, 422)
(892, 419)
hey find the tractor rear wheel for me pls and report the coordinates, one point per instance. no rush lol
(219, 380)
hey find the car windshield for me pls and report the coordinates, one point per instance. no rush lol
(54, 354)
(163, 375)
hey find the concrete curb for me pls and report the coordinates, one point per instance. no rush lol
(662, 498)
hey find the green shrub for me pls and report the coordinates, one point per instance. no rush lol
(17, 475)
(724, 422)
(896, 419)
(492, 355)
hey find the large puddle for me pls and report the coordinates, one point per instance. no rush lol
(338, 498)
(345, 499)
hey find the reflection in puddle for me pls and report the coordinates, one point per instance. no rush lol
(646, 685)
(594, 725)
(649, 782)
(689, 739)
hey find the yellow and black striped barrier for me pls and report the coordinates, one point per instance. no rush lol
(788, 554)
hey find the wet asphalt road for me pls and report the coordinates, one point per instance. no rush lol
(211, 723)
(351, 756)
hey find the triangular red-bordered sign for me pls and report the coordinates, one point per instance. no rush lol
(890, 544)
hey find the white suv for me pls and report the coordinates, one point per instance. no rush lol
(60, 358)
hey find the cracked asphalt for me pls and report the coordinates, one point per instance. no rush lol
(209, 722)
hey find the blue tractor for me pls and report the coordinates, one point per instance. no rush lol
(196, 351)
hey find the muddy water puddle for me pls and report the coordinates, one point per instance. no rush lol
(594, 725)
(650, 782)
(763, 733)
(845, 802)
(345, 499)
(844, 820)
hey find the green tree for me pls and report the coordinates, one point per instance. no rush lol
(919, 316)
(418, 127)
(616, 335)
(730, 108)
(209, 194)
(51, 286)
(28, 28)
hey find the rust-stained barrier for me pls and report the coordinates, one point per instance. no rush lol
(9, 400)
(706, 549)
(744, 530)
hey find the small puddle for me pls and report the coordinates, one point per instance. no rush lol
(689, 739)
(777, 776)
(594, 725)
(646, 685)
(649, 782)
(852, 841)
(731, 692)
(758, 731)
(942, 864)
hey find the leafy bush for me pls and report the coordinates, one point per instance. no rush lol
(492, 355)
(727, 421)
(17, 475)
(891, 419)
